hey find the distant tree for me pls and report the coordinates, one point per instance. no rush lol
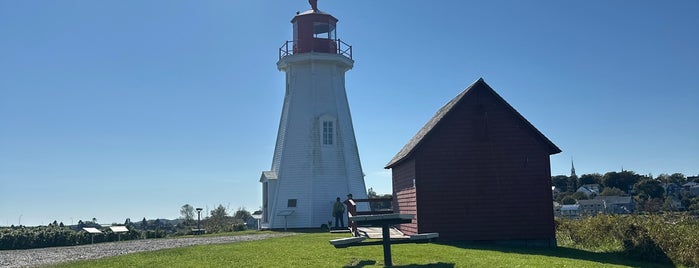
(594, 178)
(55, 223)
(669, 205)
(559, 197)
(649, 205)
(81, 224)
(561, 182)
(580, 196)
(242, 214)
(61, 225)
(612, 191)
(678, 178)
(664, 178)
(219, 212)
(371, 193)
(187, 212)
(219, 221)
(623, 180)
(692, 204)
(650, 188)
(383, 205)
(94, 220)
(127, 222)
(144, 224)
(572, 184)
(568, 200)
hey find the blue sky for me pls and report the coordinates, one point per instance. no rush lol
(130, 109)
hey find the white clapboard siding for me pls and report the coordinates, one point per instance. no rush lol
(307, 170)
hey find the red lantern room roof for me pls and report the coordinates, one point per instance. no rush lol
(311, 12)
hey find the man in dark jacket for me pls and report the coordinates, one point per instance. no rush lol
(338, 210)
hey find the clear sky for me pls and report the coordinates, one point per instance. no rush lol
(130, 109)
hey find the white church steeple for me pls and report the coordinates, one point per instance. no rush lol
(316, 158)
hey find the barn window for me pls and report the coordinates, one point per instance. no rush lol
(328, 130)
(291, 203)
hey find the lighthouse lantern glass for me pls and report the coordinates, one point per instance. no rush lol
(323, 30)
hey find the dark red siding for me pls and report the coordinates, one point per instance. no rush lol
(405, 201)
(481, 174)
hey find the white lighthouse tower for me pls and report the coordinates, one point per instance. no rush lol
(316, 158)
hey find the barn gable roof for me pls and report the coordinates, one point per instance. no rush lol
(480, 84)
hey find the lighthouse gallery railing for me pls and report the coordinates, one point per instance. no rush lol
(341, 48)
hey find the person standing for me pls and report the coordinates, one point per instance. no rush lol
(338, 211)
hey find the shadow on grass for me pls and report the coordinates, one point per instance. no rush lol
(360, 264)
(363, 263)
(435, 265)
(563, 252)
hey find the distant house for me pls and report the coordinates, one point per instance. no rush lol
(672, 188)
(478, 170)
(589, 189)
(607, 205)
(555, 192)
(692, 188)
(591, 207)
(618, 204)
(570, 211)
(556, 209)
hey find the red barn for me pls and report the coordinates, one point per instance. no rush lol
(477, 171)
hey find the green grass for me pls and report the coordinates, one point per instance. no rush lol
(313, 250)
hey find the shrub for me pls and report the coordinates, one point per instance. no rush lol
(54, 236)
(657, 238)
(239, 227)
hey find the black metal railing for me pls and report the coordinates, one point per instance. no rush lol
(344, 49)
(337, 46)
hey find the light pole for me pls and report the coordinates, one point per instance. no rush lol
(199, 220)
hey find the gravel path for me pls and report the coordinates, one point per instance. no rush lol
(44, 256)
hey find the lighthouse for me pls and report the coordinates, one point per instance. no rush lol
(315, 158)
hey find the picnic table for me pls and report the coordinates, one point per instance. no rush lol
(385, 221)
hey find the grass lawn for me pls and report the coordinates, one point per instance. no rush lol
(313, 250)
(246, 232)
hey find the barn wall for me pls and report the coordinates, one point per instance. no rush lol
(404, 193)
(482, 174)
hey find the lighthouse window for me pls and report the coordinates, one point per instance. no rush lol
(327, 132)
(323, 30)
